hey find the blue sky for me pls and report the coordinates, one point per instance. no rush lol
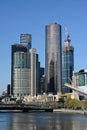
(31, 16)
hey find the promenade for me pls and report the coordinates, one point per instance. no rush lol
(39, 109)
(25, 108)
(70, 111)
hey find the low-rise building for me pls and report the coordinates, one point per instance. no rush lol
(79, 84)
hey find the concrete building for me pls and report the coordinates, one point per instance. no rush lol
(79, 84)
(53, 58)
(33, 71)
(79, 80)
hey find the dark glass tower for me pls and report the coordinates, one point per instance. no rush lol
(53, 58)
(67, 64)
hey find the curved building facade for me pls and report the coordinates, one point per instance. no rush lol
(53, 57)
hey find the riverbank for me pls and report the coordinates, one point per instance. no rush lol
(70, 111)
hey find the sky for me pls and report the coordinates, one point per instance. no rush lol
(31, 16)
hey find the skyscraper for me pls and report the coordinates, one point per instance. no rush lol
(25, 68)
(25, 40)
(53, 58)
(19, 71)
(67, 64)
(33, 71)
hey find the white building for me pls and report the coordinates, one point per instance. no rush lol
(80, 80)
(33, 72)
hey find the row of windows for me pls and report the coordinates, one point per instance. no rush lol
(20, 60)
(20, 84)
(67, 59)
(21, 94)
(21, 76)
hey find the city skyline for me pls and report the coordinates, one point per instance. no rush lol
(31, 17)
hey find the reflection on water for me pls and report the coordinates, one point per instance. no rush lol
(42, 121)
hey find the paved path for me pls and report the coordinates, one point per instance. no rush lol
(70, 111)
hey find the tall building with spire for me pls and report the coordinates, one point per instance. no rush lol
(53, 58)
(67, 64)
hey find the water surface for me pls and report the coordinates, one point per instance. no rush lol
(42, 121)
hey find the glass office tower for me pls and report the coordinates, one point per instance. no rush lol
(26, 40)
(53, 58)
(19, 71)
(67, 64)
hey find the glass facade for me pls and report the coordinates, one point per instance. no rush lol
(80, 79)
(20, 60)
(67, 65)
(21, 82)
(53, 59)
(26, 40)
(20, 71)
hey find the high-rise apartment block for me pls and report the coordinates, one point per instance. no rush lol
(67, 64)
(53, 58)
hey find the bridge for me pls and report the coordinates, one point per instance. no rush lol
(75, 89)
(25, 108)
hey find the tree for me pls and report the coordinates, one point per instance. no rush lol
(85, 103)
(71, 103)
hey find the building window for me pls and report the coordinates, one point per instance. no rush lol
(81, 80)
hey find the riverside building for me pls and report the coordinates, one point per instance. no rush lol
(53, 58)
(79, 80)
(25, 68)
(19, 71)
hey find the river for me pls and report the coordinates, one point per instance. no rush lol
(42, 121)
